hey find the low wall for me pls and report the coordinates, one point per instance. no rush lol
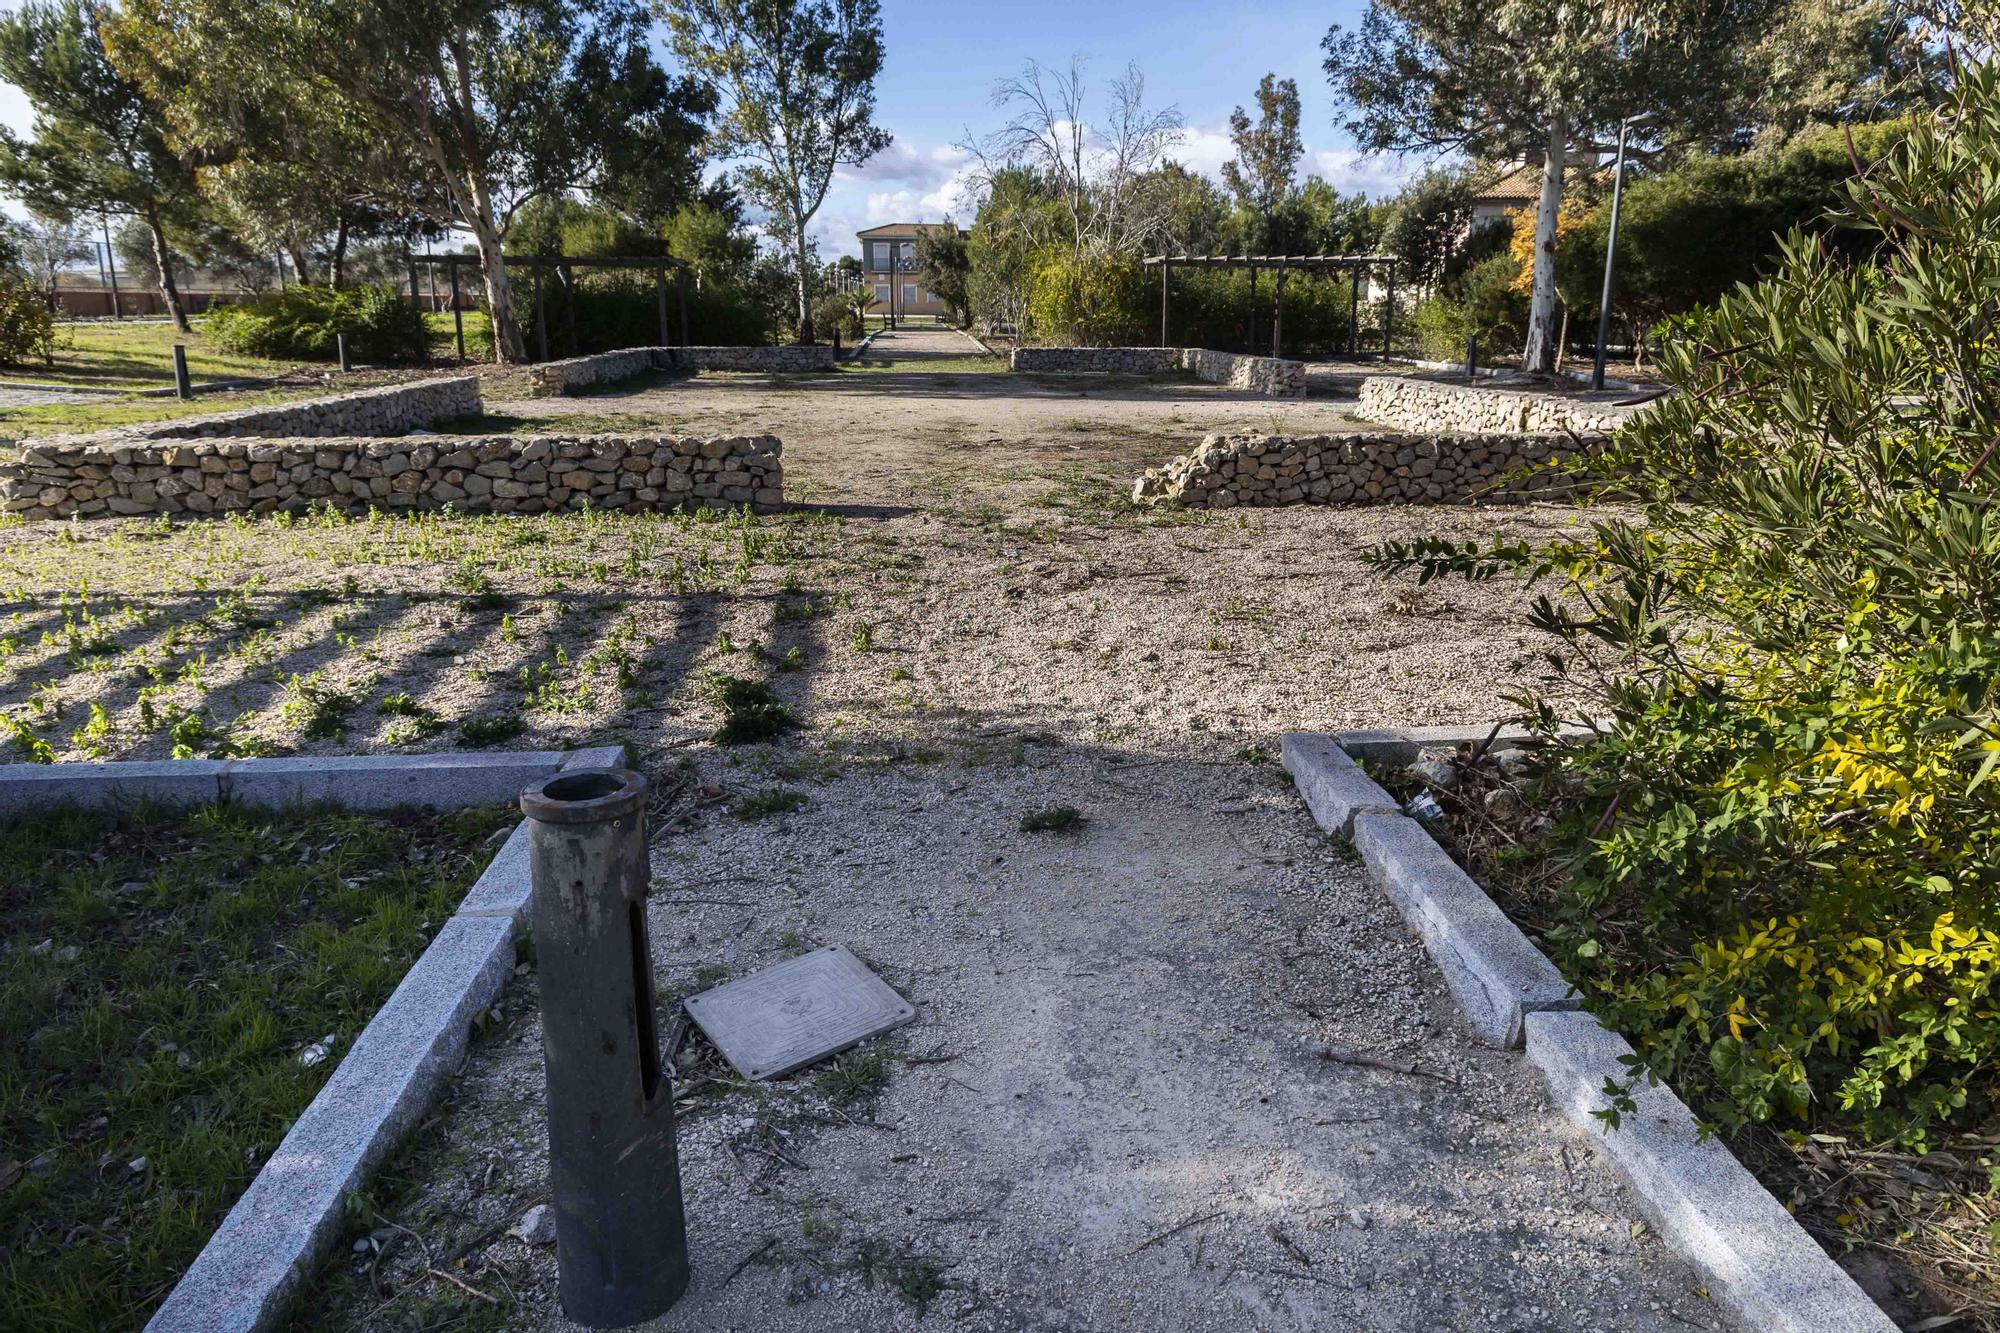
(1099, 360)
(553, 378)
(1267, 470)
(390, 410)
(498, 473)
(1270, 375)
(1259, 374)
(1426, 405)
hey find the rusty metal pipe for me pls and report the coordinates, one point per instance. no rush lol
(621, 1237)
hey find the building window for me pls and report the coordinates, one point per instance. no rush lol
(909, 293)
(882, 292)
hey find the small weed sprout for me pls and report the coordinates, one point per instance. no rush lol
(1055, 819)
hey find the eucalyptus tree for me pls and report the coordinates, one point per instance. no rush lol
(496, 102)
(1543, 79)
(1267, 152)
(797, 84)
(100, 146)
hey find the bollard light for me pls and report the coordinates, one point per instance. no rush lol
(621, 1238)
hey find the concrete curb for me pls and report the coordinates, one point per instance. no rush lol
(1759, 1262)
(278, 1232)
(1397, 747)
(1334, 786)
(1498, 975)
(359, 782)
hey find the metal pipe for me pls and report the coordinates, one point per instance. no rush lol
(1611, 250)
(340, 350)
(621, 1235)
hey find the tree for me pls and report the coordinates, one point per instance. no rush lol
(45, 243)
(798, 79)
(1094, 174)
(502, 101)
(944, 265)
(1501, 79)
(1267, 153)
(100, 146)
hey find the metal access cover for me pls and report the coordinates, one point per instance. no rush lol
(796, 1012)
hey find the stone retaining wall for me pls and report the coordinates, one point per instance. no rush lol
(501, 473)
(1426, 405)
(1266, 470)
(1099, 360)
(390, 410)
(1260, 374)
(1270, 375)
(553, 378)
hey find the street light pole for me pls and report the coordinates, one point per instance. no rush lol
(1611, 248)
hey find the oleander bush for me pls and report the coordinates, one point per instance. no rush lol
(1782, 851)
(302, 323)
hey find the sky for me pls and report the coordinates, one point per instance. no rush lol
(944, 56)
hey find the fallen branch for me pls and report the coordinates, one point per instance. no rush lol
(462, 1285)
(1172, 1231)
(1284, 1242)
(1340, 1055)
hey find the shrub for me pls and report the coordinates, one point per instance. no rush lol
(27, 326)
(1784, 848)
(301, 323)
(1088, 300)
(1442, 329)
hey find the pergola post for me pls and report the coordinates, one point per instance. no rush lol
(1164, 266)
(681, 283)
(541, 315)
(569, 307)
(1251, 342)
(1278, 317)
(1389, 316)
(1354, 312)
(660, 300)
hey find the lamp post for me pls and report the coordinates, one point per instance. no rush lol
(1611, 247)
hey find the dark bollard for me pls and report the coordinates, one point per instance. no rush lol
(183, 386)
(340, 350)
(1472, 356)
(621, 1239)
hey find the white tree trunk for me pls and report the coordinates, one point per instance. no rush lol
(509, 347)
(1540, 358)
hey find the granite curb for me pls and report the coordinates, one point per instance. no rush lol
(1758, 1261)
(281, 1227)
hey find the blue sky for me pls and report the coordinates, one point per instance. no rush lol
(944, 57)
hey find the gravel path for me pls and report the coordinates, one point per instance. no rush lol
(1112, 1112)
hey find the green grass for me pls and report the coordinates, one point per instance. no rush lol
(154, 1044)
(140, 356)
(1055, 819)
(109, 411)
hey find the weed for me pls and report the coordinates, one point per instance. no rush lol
(475, 731)
(864, 638)
(917, 1278)
(853, 1078)
(764, 804)
(751, 711)
(1055, 819)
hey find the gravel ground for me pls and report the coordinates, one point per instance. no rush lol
(1113, 1111)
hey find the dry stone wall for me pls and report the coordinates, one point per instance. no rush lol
(390, 410)
(1259, 374)
(1426, 405)
(1098, 360)
(1266, 470)
(553, 378)
(500, 473)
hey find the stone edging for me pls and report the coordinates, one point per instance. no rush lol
(1270, 375)
(278, 1231)
(1760, 1263)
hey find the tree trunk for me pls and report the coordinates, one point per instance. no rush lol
(163, 255)
(803, 261)
(301, 269)
(1562, 342)
(336, 264)
(508, 346)
(1540, 355)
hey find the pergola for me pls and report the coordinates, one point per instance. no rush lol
(1358, 265)
(564, 266)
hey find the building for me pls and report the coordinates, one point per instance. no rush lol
(889, 269)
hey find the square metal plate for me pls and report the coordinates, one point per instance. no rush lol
(793, 1013)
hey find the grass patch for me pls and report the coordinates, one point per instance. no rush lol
(853, 1078)
(106, 412)
(141, 355)
(1055, 819)
(970, 364)
(764, 804)
(168, 983)
(478, 731)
